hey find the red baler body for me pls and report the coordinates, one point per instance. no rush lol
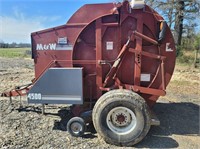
(90, 31)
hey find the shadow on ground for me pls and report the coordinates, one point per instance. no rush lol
(65, 115)
(175, 118)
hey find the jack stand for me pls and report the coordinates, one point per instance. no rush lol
(21, 102)
(43, 109)
(10, 99)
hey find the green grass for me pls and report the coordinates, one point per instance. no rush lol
(187, 58)
(14, 52)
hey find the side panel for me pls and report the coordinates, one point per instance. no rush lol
(53, 45)
(58, 86)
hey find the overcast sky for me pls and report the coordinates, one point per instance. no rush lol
(18, 18)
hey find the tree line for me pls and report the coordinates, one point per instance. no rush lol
(14, 45)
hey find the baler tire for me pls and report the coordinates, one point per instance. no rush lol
(79, 122)
(130, 105)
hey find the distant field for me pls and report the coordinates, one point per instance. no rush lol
(15, 52)
(186, 58)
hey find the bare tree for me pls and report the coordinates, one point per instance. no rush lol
(178, 28)
(180, 15)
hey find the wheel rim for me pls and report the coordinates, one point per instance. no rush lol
(121, 120)
(76, 127)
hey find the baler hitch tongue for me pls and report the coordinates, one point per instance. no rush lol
(18, 91)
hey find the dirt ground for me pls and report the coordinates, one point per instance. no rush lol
(23, 125)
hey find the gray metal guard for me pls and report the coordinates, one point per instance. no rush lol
(58, 86)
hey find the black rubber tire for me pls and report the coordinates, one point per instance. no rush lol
(127, 99)
(80, 121)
